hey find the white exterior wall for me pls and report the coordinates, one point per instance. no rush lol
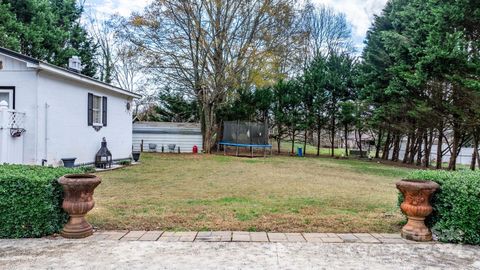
(62, 111)
(16, 73)
(184, 141)
(61, 130)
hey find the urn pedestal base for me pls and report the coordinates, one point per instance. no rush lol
(77, 227)
(416, 230)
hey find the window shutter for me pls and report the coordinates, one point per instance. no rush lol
(90, 109)
(104, 111)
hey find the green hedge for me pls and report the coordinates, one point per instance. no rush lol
(30, 200)
(456, 206)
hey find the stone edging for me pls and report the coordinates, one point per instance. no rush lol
(242, 236)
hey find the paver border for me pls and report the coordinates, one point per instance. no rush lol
(244, 236)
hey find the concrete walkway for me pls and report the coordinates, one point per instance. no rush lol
(105, 254)
(219, 250)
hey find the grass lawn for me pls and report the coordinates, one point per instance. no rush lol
(280, 193)
(286, 147)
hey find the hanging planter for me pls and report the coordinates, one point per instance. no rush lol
(416, 206)
(78, 200)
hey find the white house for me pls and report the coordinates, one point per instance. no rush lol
(50, 113)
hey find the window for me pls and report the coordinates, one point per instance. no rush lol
(8, 94)
(97, 111)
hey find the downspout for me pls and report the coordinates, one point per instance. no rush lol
(36, 117)
(46, 134)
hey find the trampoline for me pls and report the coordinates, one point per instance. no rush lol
(245, 135)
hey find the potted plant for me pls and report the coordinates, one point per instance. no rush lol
(78, 200)
(68, 162)
(136, 156)
(416, 206)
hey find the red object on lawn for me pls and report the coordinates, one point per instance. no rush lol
(195, 149)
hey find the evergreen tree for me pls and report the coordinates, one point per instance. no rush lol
(48, 30)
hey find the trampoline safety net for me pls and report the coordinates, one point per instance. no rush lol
(250, 133)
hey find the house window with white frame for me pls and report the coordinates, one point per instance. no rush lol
(97, 111)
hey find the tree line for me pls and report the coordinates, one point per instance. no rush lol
(416, 82)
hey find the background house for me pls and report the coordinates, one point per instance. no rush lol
(59, 113)
(183, 135)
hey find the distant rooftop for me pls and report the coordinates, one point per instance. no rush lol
(166, 127)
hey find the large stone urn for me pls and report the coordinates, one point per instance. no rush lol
(416, 206)
(77, 201)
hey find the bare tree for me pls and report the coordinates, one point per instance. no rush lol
(207, 48)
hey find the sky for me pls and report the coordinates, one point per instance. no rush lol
(359, 13)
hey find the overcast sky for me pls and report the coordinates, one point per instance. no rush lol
(359, 12)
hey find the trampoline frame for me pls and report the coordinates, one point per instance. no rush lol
(252, 146)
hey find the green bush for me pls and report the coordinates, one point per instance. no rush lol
(456, 206)
(30, 200)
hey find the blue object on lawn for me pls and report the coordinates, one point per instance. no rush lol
(300, 152)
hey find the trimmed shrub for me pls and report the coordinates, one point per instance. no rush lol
(30, 200)
(456, 206)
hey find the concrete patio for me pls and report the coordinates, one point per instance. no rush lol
(233, 250)
(60, 253)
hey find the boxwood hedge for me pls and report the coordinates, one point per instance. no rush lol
(456, 206)
(30, 200)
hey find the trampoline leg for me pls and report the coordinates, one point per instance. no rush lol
(237, 151)
(224, 150)
(264, 152)
(251, 151)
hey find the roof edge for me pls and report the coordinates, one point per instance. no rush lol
(66, 73)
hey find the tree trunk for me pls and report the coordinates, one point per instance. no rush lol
(428, 148)
(439, 147)
(475, 150)
(209, 118)
(279, 141)
(452, 165)
(293, 143)
(396, 148)
(360, 144)
(419, 152)
(386, 147)
(345, 135)
(305, 143)
(379, 143)
(333, 136)
(415, 145)
(407, 149)
(319, 136)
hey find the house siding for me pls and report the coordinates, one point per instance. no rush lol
(68, 133)
(59, 106)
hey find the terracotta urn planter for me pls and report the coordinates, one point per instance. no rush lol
(77, 201)
(416, 206)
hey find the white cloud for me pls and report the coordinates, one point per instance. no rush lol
(106, 8)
